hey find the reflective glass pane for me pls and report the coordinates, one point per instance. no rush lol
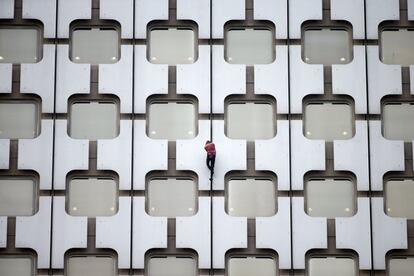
(252, 266)
(399, 198)
(19, 119)
(16, 266)
(325, 267)
(397, 46)
(172, 266)
(19, 45)
(91, 266)
(398, 122)
(18, 196)
(401, 266)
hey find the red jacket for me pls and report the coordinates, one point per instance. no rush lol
(210, 148)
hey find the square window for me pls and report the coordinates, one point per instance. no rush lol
(330, 198)
(172, 266)
(95, 46)
(172, 120)
(329, 121)
(18, 196)
(397, 121)
(251, 198)
(325, 266)
(19, 119)
(252, 266)
(91, 266)
(249, 46)
(327, 46)
(17, 266)
(172, 46)
(401, 266)
(94, 120)
(250, 120)
(20, 45)
(172, 197)
(92, 197)
(399, 198)
(397, 46)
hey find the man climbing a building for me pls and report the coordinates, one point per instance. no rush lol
(211, 156)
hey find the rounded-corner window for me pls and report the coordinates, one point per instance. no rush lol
(181, 265)
(251, 265)
(397, 121)
(86, 264)
(399, 197)
(324, 266)
(396, 46)
(17, 265)
(92, 196)
(399, 265)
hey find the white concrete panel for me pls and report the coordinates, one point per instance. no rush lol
(386, 155)
(231, 155)
(352, 155)
(354, 233)
(197, 10)
(5, 78)
(44, 70)
(147, 11)
(194, 232)
(305, 79)
(115, 232)
(70, 154)
(275, 11)
(274, 233)
(273, 155)
(149, 154)
(4, 153)
(117, 78)
(223, 11)
(116, 154)
(273, 79)
(351, 11)
(195, 78)
(192, 156)
(355, 71)
(149, 78)
(228, 232)
(387, 233)
(301, 11)
(70, 10)
(121, 11)
(43, 10)
(307, 155)
(7, 9)
(410, 6)
(228, 78)
(3, 232)
(378, 11)
(307, 233)
(71, 78)
(148, 232)
(68, 232)
(37, 154)
(34, 232)
(382, 79)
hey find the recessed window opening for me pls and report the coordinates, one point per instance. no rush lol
(252, 265)
(172, 45)
(172, 120)
(19, 119)
(93, 120)
(397, 46)
(327, 46)
(251, 197)
(172, 266)
(21, 44)
(399, 198)
(95, 45)
(250, 120)
(330, 197)
(397, 121)
(172, 197)
(91, 265)
(329, 121)
(249, 45)
(18, 196)
(17, 265)
(324, 266)
(400, 265)
(92, 196)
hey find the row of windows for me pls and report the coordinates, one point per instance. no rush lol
(178, 45)
(106, 265)
(178, 197)
(250, 121)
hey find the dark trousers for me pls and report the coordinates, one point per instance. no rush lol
(211, 160)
